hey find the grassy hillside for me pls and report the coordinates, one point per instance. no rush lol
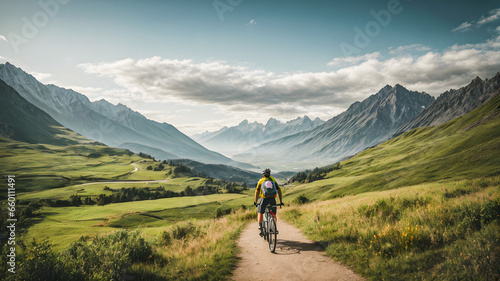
(467, 147)
(45, 166)
(423, 206)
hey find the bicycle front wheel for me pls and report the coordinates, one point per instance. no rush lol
(273, 235)
(265, 228)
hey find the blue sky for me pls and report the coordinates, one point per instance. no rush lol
(206, 64)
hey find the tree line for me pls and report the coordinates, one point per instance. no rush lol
(314, 175)
(137, 194)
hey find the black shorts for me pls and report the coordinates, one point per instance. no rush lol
(267, 201)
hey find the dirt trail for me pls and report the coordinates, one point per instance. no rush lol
(296, 258)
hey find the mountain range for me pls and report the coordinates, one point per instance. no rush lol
(233, 140)
(455, 103)
(38, 113)
(362, 125)
(113, 125)
(22, 121)
(390, 112)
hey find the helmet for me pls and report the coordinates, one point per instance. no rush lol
(266, 172)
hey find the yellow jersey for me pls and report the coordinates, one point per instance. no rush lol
(258, 189)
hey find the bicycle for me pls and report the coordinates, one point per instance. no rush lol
(269, 228)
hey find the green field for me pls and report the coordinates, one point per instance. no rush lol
(63, 225)
(39, 167)
(89, 169)
(96, 188)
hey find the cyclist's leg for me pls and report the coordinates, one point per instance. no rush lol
(275, 211)
(263, 203)
(260, 213)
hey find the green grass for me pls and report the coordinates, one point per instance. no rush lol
(39, 167)
(63, 225)
(431, 231)
(422, 206)
(194, 250)
(93, 189)
(58, 172)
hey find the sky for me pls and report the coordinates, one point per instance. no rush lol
(202, 65)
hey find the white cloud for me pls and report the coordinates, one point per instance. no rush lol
(252, 22)
(260, 94)
(4, 38)
(494, 15)
(343, 61)
(466, 26)
(409, 48)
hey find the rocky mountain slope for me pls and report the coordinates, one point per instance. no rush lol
(113, 125)
(22, 121)
(455, 103)
(363, 124)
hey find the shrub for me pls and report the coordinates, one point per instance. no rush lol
(166, 238)
(39, 262)
(222, 212)
(107, 257)
(393, 240)
(182, 231)
(383, 208)
(302, 199)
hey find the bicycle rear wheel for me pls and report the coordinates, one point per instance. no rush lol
(265, 226)
(273, 235)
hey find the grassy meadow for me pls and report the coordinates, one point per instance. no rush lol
(45, 166)
(187, 237)
(422, 206)
(433, 231)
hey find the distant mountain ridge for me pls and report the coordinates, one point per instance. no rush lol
(22, 121)
(116, 126)
(231, 140)
(455, 103)
(362, 125)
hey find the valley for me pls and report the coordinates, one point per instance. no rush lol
(424, 197)
(136, 135)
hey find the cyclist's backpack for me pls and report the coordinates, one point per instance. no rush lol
(269, 188)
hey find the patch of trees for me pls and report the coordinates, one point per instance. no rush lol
(315, 174)
(158, 168)
(134, 194)
(138, 194)
(144, 155)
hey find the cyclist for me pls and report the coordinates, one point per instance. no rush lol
(266, 177)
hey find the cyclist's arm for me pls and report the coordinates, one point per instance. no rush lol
(257, 191)
(279, 190)
(279, 193)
